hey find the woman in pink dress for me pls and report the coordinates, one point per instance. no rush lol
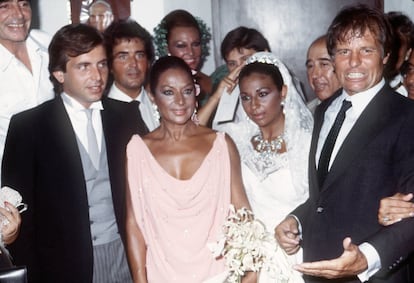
(182, 178)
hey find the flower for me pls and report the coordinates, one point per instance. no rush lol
(247, 246)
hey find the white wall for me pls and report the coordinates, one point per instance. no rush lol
(405, 6)
(55, 13)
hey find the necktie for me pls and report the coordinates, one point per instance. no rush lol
(330, 142)
(93, 149)
(141, 127)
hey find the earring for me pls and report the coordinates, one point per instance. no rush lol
(282, 104)
(194, 118)
(156, 113)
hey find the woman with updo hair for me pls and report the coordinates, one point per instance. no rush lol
(187, 37)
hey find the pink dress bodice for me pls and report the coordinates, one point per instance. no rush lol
(179, 217)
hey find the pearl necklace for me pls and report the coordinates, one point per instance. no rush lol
(265, 146)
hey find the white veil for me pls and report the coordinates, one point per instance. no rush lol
(298, 126)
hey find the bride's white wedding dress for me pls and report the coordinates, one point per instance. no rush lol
(277, 183)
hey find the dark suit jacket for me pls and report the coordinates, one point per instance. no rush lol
(43, 162)
(376, 160)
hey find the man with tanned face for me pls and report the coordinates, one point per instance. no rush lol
(408, 76)
(67, 158)
(131, 52)
(24, 79)
(320, 72)
(361, 151)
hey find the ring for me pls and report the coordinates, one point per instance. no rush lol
(385, 219)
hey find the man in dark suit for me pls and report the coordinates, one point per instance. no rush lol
(66, 157)
(362, 150)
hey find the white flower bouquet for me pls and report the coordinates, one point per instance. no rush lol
(13, 197)
(247, 246)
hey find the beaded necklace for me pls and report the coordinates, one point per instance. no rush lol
(267, 147)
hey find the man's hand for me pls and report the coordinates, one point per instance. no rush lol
(352, 262)
(287, 235)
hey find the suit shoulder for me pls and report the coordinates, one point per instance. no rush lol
(400, 102)
(113, 104)
(32, 113)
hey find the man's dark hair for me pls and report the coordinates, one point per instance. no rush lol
(127, 29)
(70, 41)
(355, 21)
(403, 31)
(243, 37)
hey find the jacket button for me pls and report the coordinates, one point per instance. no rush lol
(319, 209)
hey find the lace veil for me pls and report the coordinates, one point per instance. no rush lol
(298, 126)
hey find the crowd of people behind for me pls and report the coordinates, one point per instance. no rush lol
(130, 158)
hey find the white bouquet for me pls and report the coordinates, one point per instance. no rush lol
(247, 246)
(13, 197)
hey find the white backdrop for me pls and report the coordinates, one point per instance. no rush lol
(55, 13)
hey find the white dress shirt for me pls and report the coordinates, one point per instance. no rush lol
(397, 85)
(145, 105)
(359, 103)
(79, 120)
(21, 89)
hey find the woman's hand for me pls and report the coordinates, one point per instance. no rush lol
(395, 208)
(10, 224)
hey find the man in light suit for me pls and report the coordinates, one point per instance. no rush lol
(66, 157)
(372, 157)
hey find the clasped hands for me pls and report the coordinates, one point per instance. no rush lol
(352, 261)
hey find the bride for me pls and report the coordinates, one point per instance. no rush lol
(274, 142)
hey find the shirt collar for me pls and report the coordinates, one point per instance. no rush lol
(6, 58)
(74, 106)
(116, 93)
(360, 100)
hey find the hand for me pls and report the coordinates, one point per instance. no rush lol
(249, 277)
(230, 81)
(287, 235)
(395, 208)
(352, 262)
(11, 216)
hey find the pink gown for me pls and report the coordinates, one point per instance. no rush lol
(179, 217)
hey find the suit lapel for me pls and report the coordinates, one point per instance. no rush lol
(318, 122)
(65, 134)
(65, 138)
(371, 121)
